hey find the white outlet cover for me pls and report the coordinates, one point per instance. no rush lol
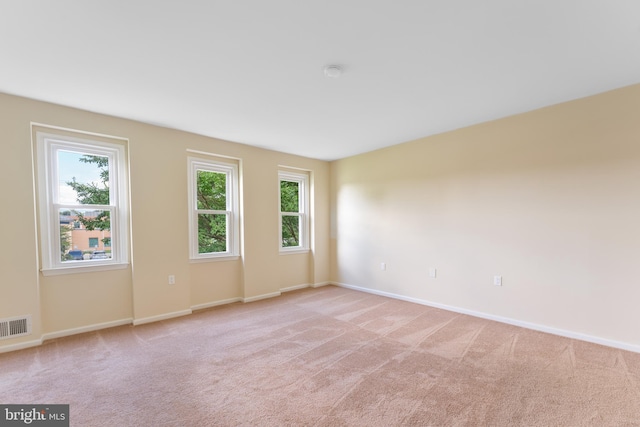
(497, 280)
(432, 273)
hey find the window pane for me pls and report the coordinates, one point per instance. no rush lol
(83, 179)
(211, 190)
(290, 231)
(212, 233)
(289, 200)
(82, 232)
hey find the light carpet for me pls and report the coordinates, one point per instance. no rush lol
(327, 357)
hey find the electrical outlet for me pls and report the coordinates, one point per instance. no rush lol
(432, 273)
(497, 280)
(383, 266)
(172, 279)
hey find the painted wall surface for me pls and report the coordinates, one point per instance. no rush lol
(19, 286)
(159, 229)
(549, 200)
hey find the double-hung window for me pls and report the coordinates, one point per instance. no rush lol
(82, 201)
(213, 209)
(294, 211)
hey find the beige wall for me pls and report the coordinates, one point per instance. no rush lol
(549, 199)
(546, 199)
(159, 228)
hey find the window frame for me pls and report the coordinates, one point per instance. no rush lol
(196, 164)
(48, 144)
(303, 210)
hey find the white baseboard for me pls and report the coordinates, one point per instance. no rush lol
(215, 303)
(263, 296)
(88, 328)
(305, 285)
(515, 322)
(294, 288)
(320, 284)
(20, 345)
(165, 316)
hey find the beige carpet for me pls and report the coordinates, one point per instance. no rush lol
(327, 357)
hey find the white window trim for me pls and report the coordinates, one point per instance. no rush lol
(303, 195)
(47, 146)
(232, 197)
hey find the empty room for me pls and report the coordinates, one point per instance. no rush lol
(320, 213)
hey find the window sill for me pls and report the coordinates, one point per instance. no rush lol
(214, 259)
(294, 251)
(83, 269)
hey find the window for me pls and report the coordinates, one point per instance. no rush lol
(82, 201)
(294, 207)
(213, 209)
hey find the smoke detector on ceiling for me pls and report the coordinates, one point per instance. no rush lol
(333, 71)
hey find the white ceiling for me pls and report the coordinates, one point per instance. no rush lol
(251, 71)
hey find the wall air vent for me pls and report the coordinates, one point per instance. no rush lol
(15, 327)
